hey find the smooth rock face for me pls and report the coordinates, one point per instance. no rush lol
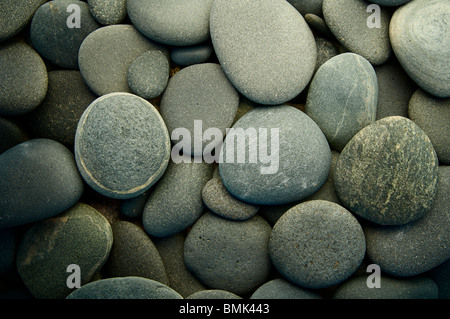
(39, 179)
(282, 289)
(80, 236)
(299, 157)
(343, 98)
(23, 78)
(348, 20)
(317, 244)
(419, 37)
(388, 172)
(229, 255)
(122, 146)
(124, 288)
(265, 47)
(193, 54)
(53, 38)
(416, 247)
(108, 12)
(171, 22)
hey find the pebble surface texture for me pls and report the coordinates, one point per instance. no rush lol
(248, 34)
(122, 146)
(282, 289)
(108, 12)
(317, 244)
(388, 172)
(419, 37)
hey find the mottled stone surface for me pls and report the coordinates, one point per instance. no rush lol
(282, 289)
(108, 12)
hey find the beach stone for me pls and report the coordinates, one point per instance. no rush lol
(391, 288)
(229, 255)
(175, 203)
(80, 236)
(347, 20)
(107, 53)
(388, 172)
(107, 12)
(317, 244)
(12, 133)
(299, 160)
(266, 48)
(53, 38)
(343, 98)
(214, 105)
(122, 146)
(419, 37)
(39, 179)
(416, 247)
(389, 3)
(23, 79)
(133, 207)
(9, 240)
(57, 116)
(124, 288)
(148, 75)
(213, 294)
(432, 115)
(133, 253)
(282, 289)
(171, 22)
(307, 6)
(217, 198)
(193, 54)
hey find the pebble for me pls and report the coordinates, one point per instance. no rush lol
(122, 146)
(53, 38)
(148, 75)
(107, 12)
(317, 244)
(124, 288)
(266, 49)
(80, 236)
(419, 37)
(419, 246)
(229, 255)
(319, 25)
(298, 165)
(12, 133)
(23, 78)
(193, 54)
(343, 97)
(388, 172)
(432, 115)
(282, 289)
(307, 6)
(171, 22)
(325, 51)
(213, 294)
(39, 179)
(347, 20)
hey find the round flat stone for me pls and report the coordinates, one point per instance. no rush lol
(52, 35)
(389, 3)
(274, 155)
(317, 244)
(348, 21)
(39, 179)
(388, 172)
(282, 289)
(171, 22)
(213, 294)
(193, 54)
(122, 146)
(124, 288)
(229, 255)
(343, 98)
(23, 78)
(108, 12)
(81, 236)
(419, 37)
(266, 48)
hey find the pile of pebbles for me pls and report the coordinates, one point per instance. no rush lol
(100, 199)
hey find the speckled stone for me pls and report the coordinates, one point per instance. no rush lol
(347, 19)
(108, 12)
(282, 289)
(432, 115)
(52, 37)
(170, 21)
(229, 255)
(39, 179)
(193, 54)
(9, 239)
(388, 172)
(343, 98)
(80, 236)
(419, 246)
(213, 294)
(23, 78)
(317, 244)
(419, 37)
(389, 3)
(307, 6)
(266, 48)
(122, 146)
(12, 133)
(124, 288)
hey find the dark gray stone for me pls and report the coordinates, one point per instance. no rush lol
(133, 207)
(282, 289)
(189, 55)
(388, 172)
(317, 244)
(12, 133)
(108, 12)
(389, 3)
(213, 294)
